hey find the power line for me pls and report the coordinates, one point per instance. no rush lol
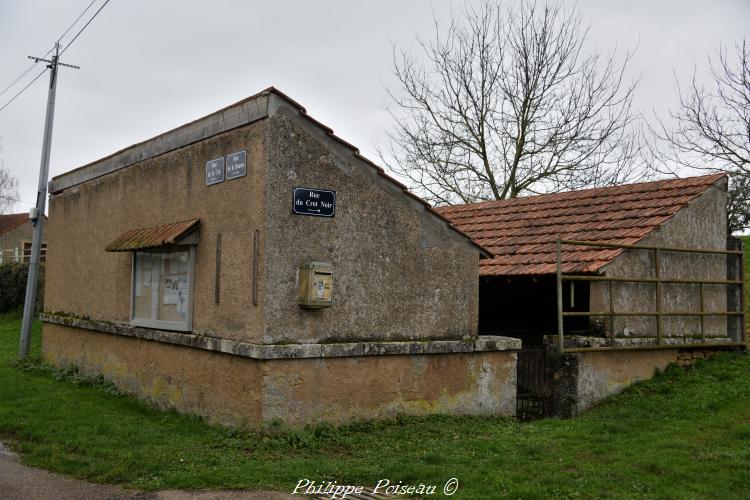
(74, 23)
(42, 56)
(28, 70)
(84, 27)
(55, 62)
(22, 90)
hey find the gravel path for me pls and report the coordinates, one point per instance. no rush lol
(20, 482)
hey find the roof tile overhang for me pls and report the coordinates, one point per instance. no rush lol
(153, 237)
(9, 222)
(522, 232)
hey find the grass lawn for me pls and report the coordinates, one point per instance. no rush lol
(684, 434)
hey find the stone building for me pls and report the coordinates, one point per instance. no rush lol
(15, 238)
(252, 266)
(518, 294)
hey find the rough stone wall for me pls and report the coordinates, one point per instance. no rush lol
(688, 357)
(563, 371)
(579, 381)
(240, 391)
(602, 374)
(13, 239)
(83, 279)
(399, 272)
(702, 224)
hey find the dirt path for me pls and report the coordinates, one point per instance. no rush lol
(20, 482)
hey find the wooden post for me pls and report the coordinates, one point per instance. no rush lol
(703, 333)
(256, 253)
(217, 279)
(559, 297)
(657, 272)
(743, 317)
(611, 310)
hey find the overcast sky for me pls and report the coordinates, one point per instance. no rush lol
(148, 66)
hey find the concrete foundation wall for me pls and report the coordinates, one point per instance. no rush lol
(240, 391)
(582, 380)
(702, 224)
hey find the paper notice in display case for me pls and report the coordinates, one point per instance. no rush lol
(138, 282)
(182, 296)
(173, 264)
(170, 291)
(146, 274)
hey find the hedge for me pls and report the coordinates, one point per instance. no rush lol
(13, 286)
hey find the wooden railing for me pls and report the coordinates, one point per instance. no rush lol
(657, 281)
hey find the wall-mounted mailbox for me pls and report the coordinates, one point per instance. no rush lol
(316, 285)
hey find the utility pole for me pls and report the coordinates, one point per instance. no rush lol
(37, 213)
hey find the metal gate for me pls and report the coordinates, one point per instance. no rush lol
(533, 387)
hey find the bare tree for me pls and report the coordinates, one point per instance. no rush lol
(8, 187)
(711, 130)
(738, 203)
(508, 103)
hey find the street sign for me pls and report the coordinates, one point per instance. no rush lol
(315, 202)
(214, 171)
(236, 165)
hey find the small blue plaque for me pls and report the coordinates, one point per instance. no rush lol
(214, 171)
(236, 165)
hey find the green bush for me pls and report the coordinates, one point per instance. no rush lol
(13, 277)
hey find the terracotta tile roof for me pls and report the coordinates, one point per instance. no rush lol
(12, 221)
(152, 237)
(522, 232)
